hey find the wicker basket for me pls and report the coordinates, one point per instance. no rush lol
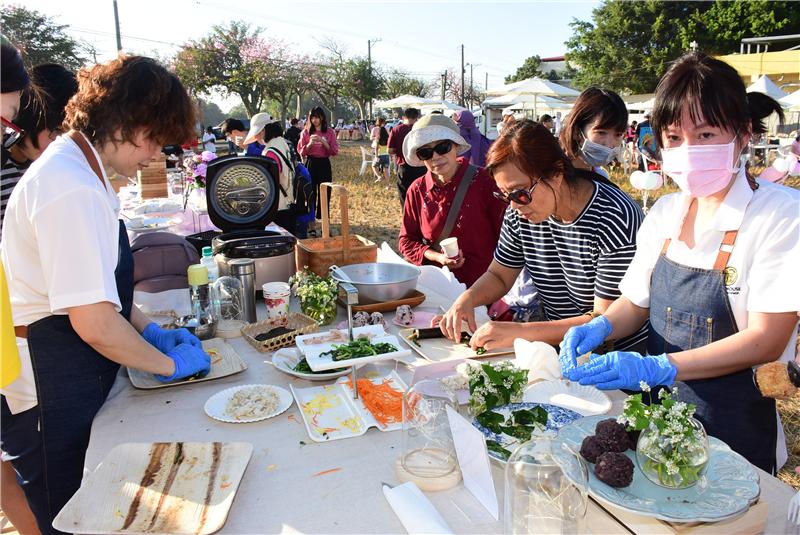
(318, 254)
(299, 323)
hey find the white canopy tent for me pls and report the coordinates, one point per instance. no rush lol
(791, 102)
(535, 87)
(767, 86)
(406, 101)
(445, 106)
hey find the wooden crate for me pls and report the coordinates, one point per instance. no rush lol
(153, 179)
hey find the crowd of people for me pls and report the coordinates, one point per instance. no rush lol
(692, 296)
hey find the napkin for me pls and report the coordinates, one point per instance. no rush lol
(415, 510)
(540, 359)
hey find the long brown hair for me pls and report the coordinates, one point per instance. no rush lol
(593, 103)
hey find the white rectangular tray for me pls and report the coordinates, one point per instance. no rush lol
(330, 412)
(440, 349)
(307, 342)
(319, 363)
(169, 487)
(224, 361)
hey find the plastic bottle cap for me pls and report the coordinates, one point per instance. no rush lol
(207, 251)
(197, 275)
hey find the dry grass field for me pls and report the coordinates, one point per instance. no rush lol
(375, 213)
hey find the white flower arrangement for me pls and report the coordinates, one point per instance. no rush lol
(493, 384)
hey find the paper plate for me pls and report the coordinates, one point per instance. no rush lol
(585, 400)
(287, 358)
(216, 404)
(150, 224)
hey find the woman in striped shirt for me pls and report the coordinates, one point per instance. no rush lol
(572, 230)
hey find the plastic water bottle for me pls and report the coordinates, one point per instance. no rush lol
(208, 261)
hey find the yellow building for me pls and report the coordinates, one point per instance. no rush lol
(782, 67)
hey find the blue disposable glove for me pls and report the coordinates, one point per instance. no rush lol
(167, 339)
(624, 369)
(580, 340)
(189, 360)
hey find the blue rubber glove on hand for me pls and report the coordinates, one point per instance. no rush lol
(580, 340)
(167, 339)
(623, 369)
(189, 360)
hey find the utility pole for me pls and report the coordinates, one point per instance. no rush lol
(486, 84)
(471, 85)
(369, 61)
(463, 72)
(116, 24)
(444, 85)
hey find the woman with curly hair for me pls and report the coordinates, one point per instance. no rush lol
(70, 276)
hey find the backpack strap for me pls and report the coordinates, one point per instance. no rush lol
(286, 163)
(455, 208)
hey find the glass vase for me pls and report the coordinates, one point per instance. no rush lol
(322, 314)
(669, 465)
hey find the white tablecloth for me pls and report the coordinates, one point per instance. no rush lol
(279, 492)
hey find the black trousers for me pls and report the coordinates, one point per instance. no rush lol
(406, 175)
(320, 170)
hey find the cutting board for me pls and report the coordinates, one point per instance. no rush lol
(440, 349)
(224, 361)
(166, 487)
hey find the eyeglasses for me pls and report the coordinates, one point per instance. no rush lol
(11, 133)
(441, 148)
(520, 196)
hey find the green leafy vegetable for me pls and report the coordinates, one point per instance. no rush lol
(491, 420)
(358, 348)
(303, 367)
(493, 445)
(529, 417)
(517, 431)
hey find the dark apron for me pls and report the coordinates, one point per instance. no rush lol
(72, 383)
(689, 308)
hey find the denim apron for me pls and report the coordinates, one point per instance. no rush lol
(72, 383)
(689, 308)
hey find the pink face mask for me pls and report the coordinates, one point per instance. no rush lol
(700, 170)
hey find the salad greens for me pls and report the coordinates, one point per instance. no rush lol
(361, 347)
(520, 423)
(303, 367)
(493, 445)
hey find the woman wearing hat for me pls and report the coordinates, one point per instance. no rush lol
(715, 273)
(452, 200)
(571, 230)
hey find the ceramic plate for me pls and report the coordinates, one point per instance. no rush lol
(151, 223)
(287, 358)
(585, 400)
(556, 418)
(731, 484)
(216, 404)
(422, 320)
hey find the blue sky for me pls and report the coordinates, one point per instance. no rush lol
(421, 37)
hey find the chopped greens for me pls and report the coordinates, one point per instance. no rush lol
(303, 367)
(493, 445)
(465, 339)
(357, 349)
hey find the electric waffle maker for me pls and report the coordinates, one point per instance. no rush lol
(242, 197)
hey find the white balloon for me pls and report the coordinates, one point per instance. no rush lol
(637, 178)
(652, 180)
(781, 164)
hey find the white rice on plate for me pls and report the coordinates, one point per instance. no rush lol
(252, 402)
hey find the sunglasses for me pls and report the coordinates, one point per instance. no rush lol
(441, 148)
(521, 196)
(11, 133)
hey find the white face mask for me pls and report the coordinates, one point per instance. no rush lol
(597, 155)
(701, 170)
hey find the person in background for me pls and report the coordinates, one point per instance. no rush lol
(292, 134)
(40, 117)
(435, 142)
(645, 142)
(714, 270)
(70, 276)
(210, 140)
(267, 131)
(379, 138)
(406, 174)
(592, 135)
(317, 146)
(547, 121)
(14, 79)
(572, 230)
(235, 132)
(479, 144)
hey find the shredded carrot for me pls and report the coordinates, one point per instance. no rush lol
(384, 402)
(292, 417)
(325, 472)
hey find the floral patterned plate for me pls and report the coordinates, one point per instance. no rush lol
(731, 484)
(556, 417)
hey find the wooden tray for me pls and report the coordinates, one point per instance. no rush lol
(224, 361)
(168, 487)
(440, 349)
(615, 521)
(413, 300)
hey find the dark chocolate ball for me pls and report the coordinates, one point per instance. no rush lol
(614, 469)
(613, 434)
(592, 447)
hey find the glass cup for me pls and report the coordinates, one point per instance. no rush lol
(276, 297)
(428, 449)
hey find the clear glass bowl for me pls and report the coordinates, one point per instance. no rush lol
(673, 466)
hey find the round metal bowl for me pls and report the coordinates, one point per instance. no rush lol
(380, 282)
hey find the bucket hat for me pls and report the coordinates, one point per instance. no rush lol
(432, 128)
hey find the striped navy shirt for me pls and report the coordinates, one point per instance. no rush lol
(10, 173)
(572, 263)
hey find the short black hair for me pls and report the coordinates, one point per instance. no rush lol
(210, 129)
(230, 124)
(294, 121)
(43, 109)
(411, 113)
(13, 76)
(545, 118)
(273, 130)
(593, 104)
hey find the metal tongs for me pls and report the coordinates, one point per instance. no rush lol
(349, 296)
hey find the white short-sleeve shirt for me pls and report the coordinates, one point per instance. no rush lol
(59, 247)
(762, 271)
